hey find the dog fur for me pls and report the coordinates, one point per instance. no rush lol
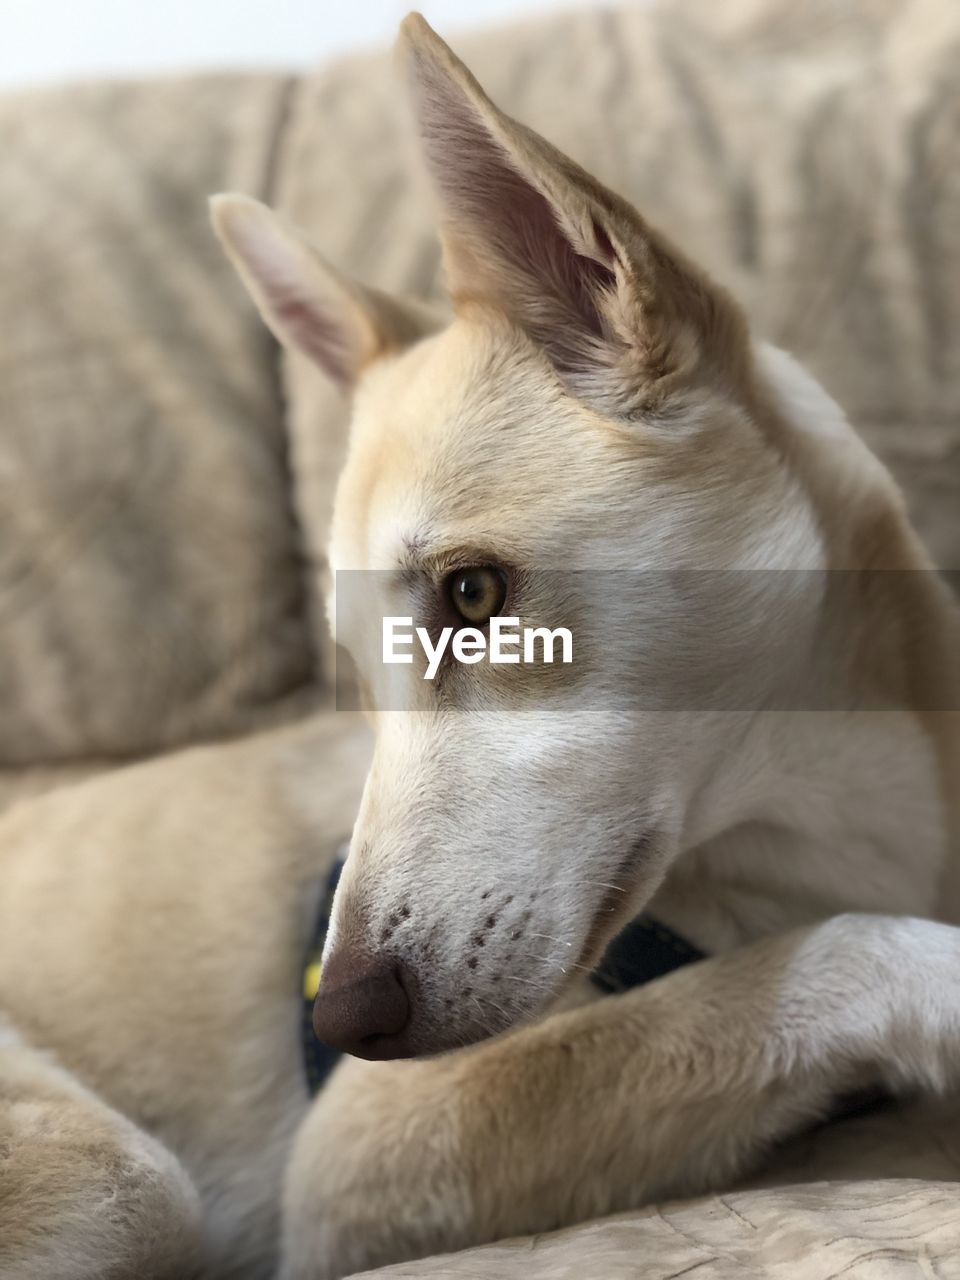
(597, 407)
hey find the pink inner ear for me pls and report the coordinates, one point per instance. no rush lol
(511, 230)
(298, 297)
(312, 330)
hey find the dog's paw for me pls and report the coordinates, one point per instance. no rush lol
(83, 1192)
(381, 1171)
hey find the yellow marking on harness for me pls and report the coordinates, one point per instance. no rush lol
(311, 979)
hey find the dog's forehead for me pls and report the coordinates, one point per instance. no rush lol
(463, 440)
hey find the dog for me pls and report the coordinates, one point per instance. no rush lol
(758, 743)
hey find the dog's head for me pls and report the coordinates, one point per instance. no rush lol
(588, 425)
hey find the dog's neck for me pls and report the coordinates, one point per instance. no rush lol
(817, 814)
(805, 814)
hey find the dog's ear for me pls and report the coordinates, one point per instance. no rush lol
(622, 316)
(339, 324)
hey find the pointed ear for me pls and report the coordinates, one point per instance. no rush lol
(622, 316)
(338, 323)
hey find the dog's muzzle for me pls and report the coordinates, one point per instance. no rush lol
(364, 1005)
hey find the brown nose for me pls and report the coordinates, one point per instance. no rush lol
(361, 1006)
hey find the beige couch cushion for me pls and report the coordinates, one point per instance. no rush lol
(809, 154)
(896, 1230)
(817, 1211)
(150, 586)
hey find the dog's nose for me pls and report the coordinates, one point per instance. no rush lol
(361, 1006)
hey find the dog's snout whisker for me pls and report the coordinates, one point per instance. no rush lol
(528, 982)
(486, 1002)
(575, 966)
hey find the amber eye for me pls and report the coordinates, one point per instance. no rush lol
(477, 593)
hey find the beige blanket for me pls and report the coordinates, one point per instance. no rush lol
(150, 585)
(821, 1213)
(896, 1230)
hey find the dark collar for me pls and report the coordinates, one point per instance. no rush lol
(318, 1058)
(644, 950)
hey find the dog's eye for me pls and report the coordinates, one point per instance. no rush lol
(477, 593)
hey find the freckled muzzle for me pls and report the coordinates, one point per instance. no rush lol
(374, 1005)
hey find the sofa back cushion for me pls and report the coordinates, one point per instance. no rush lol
(150, 580)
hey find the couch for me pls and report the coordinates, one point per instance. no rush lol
(166, 474)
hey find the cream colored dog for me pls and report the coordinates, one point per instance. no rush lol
(752, 745)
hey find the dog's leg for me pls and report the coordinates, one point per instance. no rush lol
(672, 1089)
(83, 1192)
